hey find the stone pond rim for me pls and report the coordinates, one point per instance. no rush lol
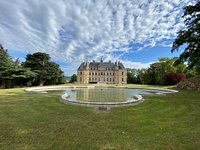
(66, 99)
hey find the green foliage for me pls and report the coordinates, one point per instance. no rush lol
(190, 72)
(73, 78)
(36, 70)
(190, 36)
(155, 74)
(11, 72)
(47, 72)
(132, 76)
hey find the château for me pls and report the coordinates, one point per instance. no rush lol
(102, 72)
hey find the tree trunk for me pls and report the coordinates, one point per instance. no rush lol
(41, 83)
(2, 83)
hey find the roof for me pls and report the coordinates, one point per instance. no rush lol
(101, 65)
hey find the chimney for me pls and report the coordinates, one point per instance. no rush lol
(116, 63)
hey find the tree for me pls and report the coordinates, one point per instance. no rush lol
(156, 71)
(142, 75)
(73, 78)
(5, 64)
(55, 74)
(45, 70)
(132, 76)
(11, 72)
(172, 78)
(38, 63)
(190, 36)
(155, 74)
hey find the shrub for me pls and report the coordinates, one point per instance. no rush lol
(172, 78)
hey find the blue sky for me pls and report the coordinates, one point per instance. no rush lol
(71, 31)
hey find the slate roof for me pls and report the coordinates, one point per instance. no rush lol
(101, 66)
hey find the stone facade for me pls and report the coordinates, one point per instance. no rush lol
(102, 72)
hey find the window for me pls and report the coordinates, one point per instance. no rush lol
(122, 73)
(122, 79)
(101, 73)
(80, 73)
(89, 73)
(107, 73)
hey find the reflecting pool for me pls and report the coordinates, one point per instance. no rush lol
(100, 96)
(104, 94)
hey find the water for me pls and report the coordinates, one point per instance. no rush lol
(104, 94)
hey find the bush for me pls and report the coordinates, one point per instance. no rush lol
(172, 78)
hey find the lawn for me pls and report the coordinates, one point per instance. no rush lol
(39, 121)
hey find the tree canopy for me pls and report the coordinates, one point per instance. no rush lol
(37, 70)
(46, 70)
(190, 36)
(73, 78)
(11, 72)
(162, 72)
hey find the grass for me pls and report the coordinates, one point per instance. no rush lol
(30, 121)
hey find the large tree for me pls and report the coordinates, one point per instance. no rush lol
(5, 64)
(156, 72)
(190, 36)
(11, 72)
(46, 70)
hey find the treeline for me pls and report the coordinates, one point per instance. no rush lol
(163, 72)
(36, 70)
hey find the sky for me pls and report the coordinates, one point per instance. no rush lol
(135, 32)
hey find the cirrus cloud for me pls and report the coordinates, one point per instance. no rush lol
(73, 30)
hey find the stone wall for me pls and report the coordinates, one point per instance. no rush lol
(102, 76)
(191, 83)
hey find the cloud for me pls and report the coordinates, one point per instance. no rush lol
(73, 30)
(136, 65)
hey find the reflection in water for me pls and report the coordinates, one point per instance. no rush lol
(104, 94)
